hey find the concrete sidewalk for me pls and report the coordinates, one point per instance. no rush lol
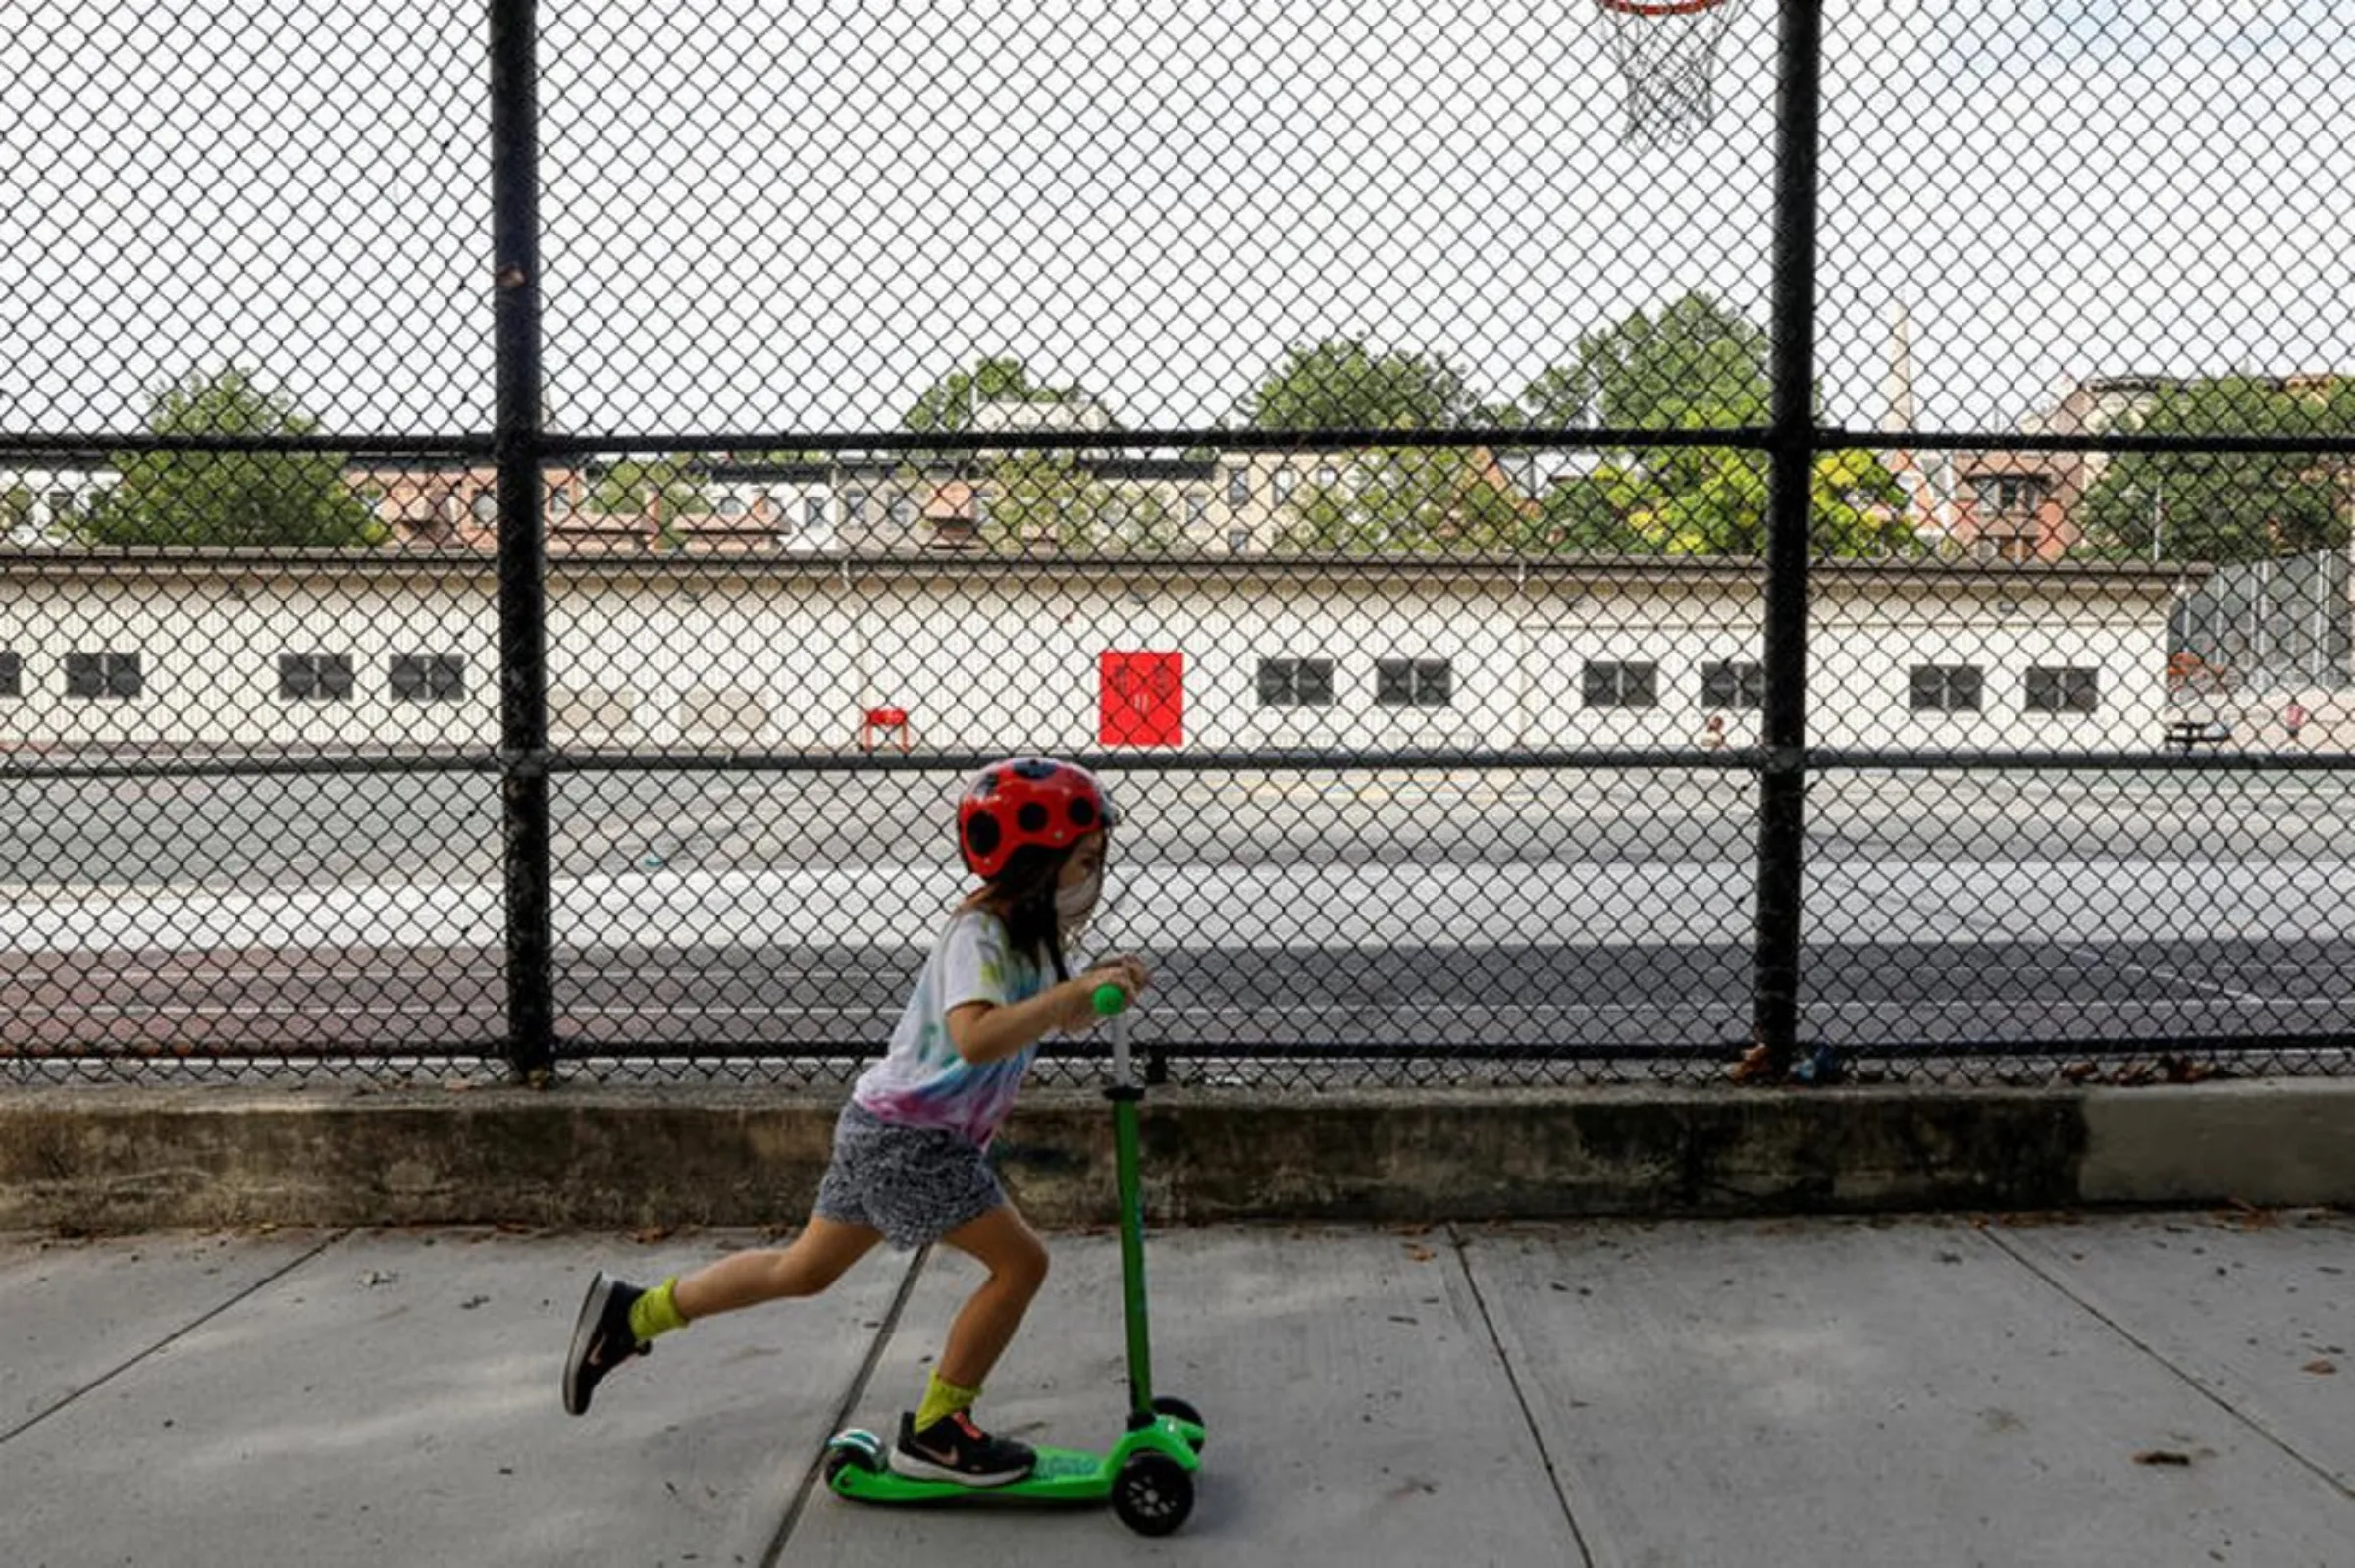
(2152, 1388)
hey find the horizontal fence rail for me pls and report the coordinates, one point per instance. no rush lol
(1587, 544)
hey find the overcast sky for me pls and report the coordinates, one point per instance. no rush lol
(777, 214)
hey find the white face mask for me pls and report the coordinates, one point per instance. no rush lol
(1074, 905)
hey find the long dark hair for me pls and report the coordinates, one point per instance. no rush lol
(1023, 895)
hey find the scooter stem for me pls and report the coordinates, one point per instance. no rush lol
(1125, 1096)
(1123, 1072)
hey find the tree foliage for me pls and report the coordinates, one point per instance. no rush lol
(1342, 384)
(231, 497)
(2227, 506)
(1711, 501)
(1410, 500)
(949, 403)
(1050, 497)
(1696, 364)
(641, 487)
(1386, 500)
(1590, 514)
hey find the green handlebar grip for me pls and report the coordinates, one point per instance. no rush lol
(1110, 999)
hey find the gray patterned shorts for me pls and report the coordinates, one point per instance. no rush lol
(915, 1184)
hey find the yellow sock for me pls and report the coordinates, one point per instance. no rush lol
(941, 1399)
(656, 1312)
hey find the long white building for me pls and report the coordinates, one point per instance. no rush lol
(782, 654)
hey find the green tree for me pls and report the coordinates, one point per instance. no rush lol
(1698, 365)
(1342, 384)
(1589, 514)
(1038, 496)
(276, 499)
(1137, 520)
(1715, 504)
(1411, 499)
(2227, 506)
(948, 405)
(662, 487)
(1857, 508)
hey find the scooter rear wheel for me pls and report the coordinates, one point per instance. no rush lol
(839, 1459)
(1152, 1493)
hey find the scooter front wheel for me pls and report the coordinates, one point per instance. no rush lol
(1152, 1493)
(1169, 1405)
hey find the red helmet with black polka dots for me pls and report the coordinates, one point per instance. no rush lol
(1027, 800)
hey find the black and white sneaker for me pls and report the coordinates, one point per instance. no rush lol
(601, 1339)
(953, 1448)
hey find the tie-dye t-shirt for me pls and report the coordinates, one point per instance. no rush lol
(922, 1081)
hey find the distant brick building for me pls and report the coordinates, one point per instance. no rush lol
(2018, 505)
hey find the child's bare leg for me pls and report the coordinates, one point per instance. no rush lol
(815, 1260)
(1017, 1261)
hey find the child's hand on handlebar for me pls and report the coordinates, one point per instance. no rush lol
(1122, 970)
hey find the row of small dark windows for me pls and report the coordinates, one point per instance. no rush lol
(1397, 683)
(1428, 683)
(301, 677)
(1282, 682)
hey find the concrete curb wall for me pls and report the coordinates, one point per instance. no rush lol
(2264, 1144)
(112, 1159)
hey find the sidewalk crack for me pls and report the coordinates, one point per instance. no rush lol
(842, 1412)
(2272, 1438)
(174, 1337)
(1512, 1378)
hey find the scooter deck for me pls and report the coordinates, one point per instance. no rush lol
(1061, 1475)
(860, 1469)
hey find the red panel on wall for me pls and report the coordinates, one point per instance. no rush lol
(1141, 699)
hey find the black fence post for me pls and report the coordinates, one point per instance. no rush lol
(1791, 460)
(522, 589)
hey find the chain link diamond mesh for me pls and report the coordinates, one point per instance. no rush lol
(517, 521)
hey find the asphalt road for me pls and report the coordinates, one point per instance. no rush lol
(737, 913)
(1480, 1004)
(319, 829)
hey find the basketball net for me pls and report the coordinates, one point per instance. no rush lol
(1667, 51)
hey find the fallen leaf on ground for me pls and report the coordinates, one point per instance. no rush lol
(2320, 1368)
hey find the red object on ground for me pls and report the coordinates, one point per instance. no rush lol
(882, 719)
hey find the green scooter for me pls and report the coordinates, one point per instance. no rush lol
(1148, 1477)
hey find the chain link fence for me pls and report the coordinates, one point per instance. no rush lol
(1591, 541)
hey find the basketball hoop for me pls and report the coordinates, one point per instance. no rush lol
(1667, 49)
